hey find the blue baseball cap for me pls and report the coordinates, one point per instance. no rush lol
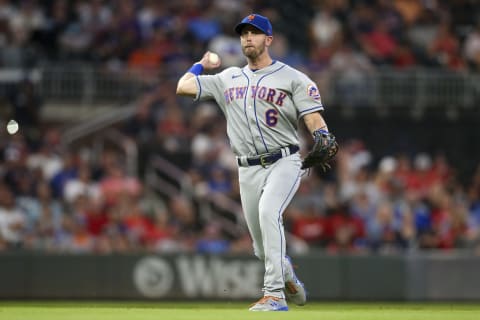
(260, 22)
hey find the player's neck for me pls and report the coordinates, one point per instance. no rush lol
(260, 63)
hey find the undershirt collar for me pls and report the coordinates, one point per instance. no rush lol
(271, 64)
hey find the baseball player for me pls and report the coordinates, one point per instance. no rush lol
(262, 103)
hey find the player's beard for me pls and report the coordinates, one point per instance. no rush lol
(253, 52)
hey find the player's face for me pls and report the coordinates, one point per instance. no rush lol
(254, 42)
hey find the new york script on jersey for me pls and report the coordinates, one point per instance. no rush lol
(271, 95)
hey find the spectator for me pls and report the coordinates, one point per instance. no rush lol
(205, 26)
(18, 175)
(58, 19)
(47, 158)
(226, 45)
(160, 235)
(351, 68)
(403, 57)
(445, 48)
(185, 220)
(76, 239)
(326, 33)
(153, 52)
(212, 241)
(379, 44)
(219, 180)
(344, 231)
(421, 33)
(68, 172)
(471, 49)
(383, 235)
(81, 185)
(309, 225)
(391, 17)
(12, 220)
(43, 210)
(117, 184)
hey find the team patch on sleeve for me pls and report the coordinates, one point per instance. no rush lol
(312, 91)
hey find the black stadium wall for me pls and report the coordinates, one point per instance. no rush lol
(195, 277)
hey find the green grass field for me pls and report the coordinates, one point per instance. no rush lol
(233, 311)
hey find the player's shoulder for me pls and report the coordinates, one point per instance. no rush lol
(293, 74)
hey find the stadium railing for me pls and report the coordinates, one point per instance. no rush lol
(385, 87)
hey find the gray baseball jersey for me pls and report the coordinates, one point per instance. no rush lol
(261, 107)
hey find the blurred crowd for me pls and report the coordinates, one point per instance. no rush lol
(58, 200)
(61, 200)
(149, 34)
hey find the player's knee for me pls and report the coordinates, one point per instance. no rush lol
(267, 217)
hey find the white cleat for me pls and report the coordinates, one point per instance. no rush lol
(294, 288)
(269, 303)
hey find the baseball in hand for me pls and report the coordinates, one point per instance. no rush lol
(213, 58)
(12, 127)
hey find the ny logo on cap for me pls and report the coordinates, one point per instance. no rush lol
(251, 17)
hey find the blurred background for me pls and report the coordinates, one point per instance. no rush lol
(114, 187)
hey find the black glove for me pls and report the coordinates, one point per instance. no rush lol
(325, 147)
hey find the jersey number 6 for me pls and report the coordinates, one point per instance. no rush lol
(271, 117)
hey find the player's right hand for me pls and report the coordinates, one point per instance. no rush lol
(208, 62)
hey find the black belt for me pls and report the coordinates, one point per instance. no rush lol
(267, 159)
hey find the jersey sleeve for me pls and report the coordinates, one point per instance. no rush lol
(306, 95)
(209, 87)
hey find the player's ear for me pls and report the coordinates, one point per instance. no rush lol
(268, 41)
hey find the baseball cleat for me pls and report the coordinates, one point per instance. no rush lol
(294, 288)
(269, 303)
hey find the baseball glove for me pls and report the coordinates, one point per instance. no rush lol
(325, 147)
